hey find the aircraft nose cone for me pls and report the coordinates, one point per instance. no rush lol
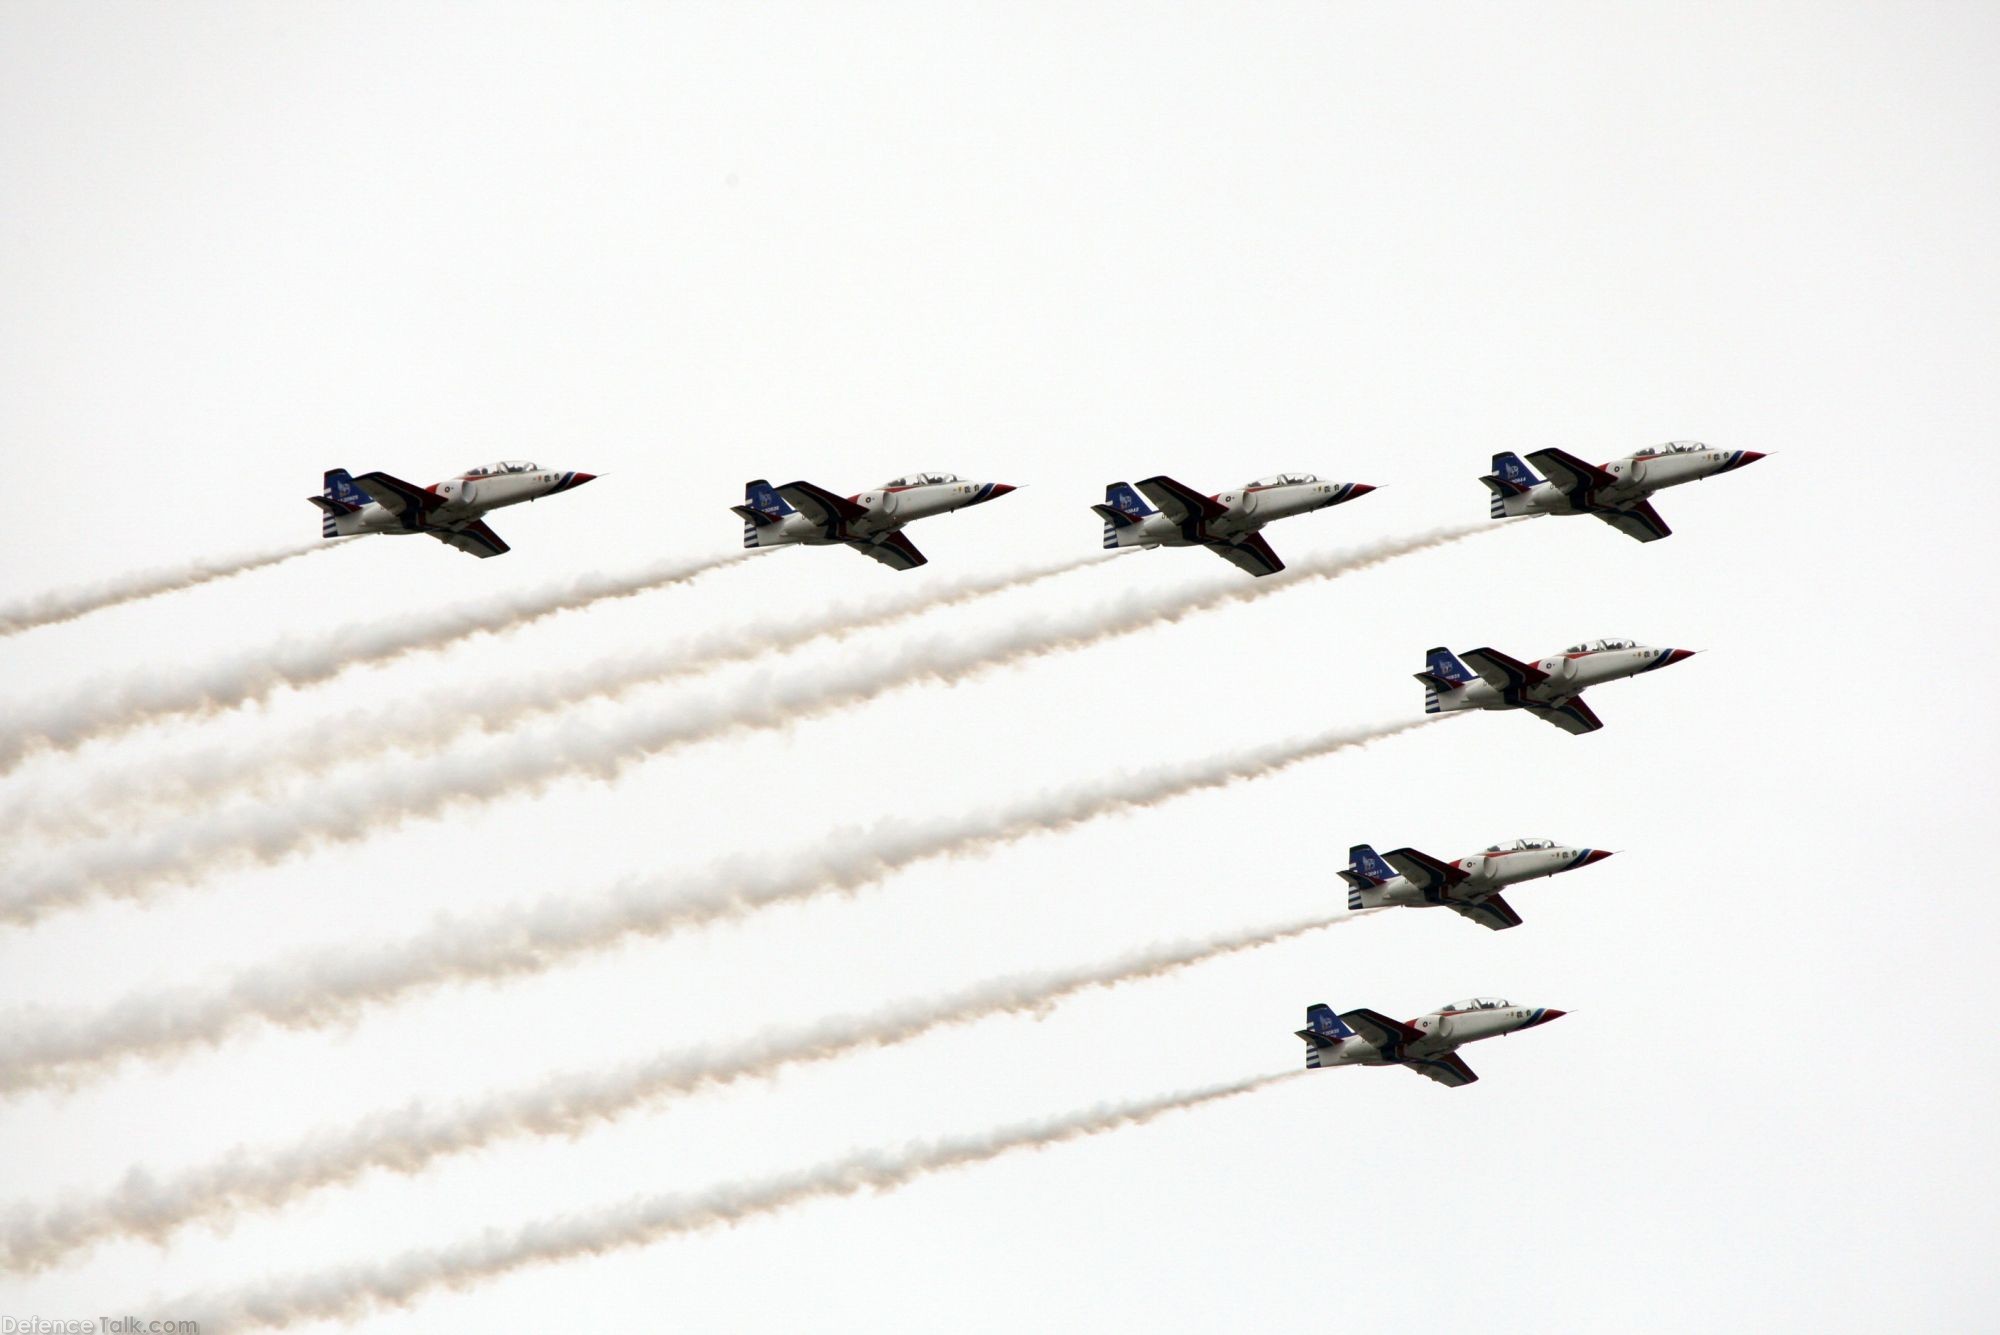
(1676, 656)
(1749, 457)
(1595, 855)
(1359, 489)
(1551, 1015)
(575, 480)
(995, 490)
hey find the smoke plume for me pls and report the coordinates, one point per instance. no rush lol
(400, 1281)
(333, 985)
(61, 605)
(100, 709)
(191, 779)
(528, 761)
(407, 1140)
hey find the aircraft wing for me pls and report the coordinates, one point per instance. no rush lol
(1569, 472)
(1492, 911)
(1639, 521)
(895, 551)
(820, 505)
(1180, 502)
(478, 539)
(1449, 1070)
(1383, 1034)
(407, 502)
(1575, 717)
(1252, 554)
(1422, 870)
(1502, 672)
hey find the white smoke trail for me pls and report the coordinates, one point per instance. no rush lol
(193, 779)
(99, 709)
(59, 605)
(356, 1290)
(527, 762)
(407, 1140)
(329, 986)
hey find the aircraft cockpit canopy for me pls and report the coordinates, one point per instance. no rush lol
(920, 480)
(1481, 1004)
(1598, 646)
(504, 467)
(1680, 447)
(1283, 480)
(1520, 844)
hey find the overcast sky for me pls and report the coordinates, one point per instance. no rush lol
(1054, 246)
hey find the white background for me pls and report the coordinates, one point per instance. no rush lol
(1055, 246)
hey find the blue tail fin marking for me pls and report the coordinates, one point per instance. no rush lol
(762, 496)
(1518, 476)
(338, 486)
(1443, 664)
(1321, 1020)
(1365, 861)
(1126, 500)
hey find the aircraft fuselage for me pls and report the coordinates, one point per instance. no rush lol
(886, 509)
(1442, 1032)
(1245, 510)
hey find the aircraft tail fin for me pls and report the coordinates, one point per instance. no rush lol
(1323, 1030)
(762, 508)
(1510, 481)
(1443, 675)
(338, 496)
(1124, 512)
(1366, 873)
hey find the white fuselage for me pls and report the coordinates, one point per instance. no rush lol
(1485, 874)
(1636, 477)
(1247, 510)
(464, 500)
(1568, 675)
(1443, 1031)
(888, 509)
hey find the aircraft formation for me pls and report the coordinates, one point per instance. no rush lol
(1162, 512)
(308, 796)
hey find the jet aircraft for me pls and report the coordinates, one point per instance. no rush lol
(1617, 492)
(1469, 887)
(452, 511)
(870, 522)
(1227, 523)
(1551, 689)
(1427, 1045)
